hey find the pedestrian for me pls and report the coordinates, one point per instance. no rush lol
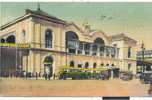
(36, 75)
(45, 75)
(54, 76)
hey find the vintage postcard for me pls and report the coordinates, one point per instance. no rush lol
(75, 49)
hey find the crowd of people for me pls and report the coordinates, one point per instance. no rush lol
(24, 74)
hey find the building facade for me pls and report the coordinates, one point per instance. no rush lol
(144, 61)
(53, 43)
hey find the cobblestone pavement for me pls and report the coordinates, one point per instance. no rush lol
(31, 87)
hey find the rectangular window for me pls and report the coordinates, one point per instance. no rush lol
(48, 44)
(80, 48)
(101, 54)
(113, 52)
(94, 53)
(72, 44)
(107, 55)
(72, 51)
(87, 52)
(129, 52)
(87, 49)
(113, 56)
(79, 51)
(94, 49)
(101, 49)
(129, 67)
(107, 51)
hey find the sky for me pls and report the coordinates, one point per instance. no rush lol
(133, 19)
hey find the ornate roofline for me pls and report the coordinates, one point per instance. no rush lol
(72, 23)
(45, 16)
(121, 36)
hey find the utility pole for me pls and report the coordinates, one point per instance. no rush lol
(143, 58)
(38, 6)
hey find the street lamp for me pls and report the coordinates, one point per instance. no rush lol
(143, 49)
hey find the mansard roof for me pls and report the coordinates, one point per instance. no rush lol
(39, 12)
(34, 13)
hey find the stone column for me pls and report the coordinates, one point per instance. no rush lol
(25, 63)
(110, 52)
(117, 52)
(31, 61)
(105, 51)
(83, 52)
(111, 74)
(91, 49)
(98, 50)
(77, 46)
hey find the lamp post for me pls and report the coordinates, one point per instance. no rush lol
(143, 49)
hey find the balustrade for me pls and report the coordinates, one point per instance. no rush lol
(82, 48)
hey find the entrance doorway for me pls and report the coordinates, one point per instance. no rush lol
(48, 68)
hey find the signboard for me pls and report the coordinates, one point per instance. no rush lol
(19, 45)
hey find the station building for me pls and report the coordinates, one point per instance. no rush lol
(38, 41)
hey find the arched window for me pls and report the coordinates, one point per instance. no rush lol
(48, 38)
(86, 65)
(102, 64)
(99, 41)
(79, 65)
(70, 35)
(148, 68)
(107, 64)
(71, 63)
(23, 34)
(94, 65)
(129, 52)
(2, 40)
(72, 41)
(48, 59)
(10, 39)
